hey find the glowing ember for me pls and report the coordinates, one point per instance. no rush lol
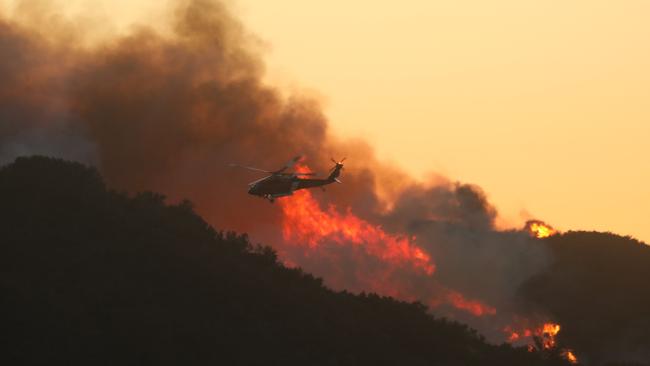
(548, 333)
(530, 348)
(545, 334)
(539, 229)
(516, 335)
(304, 221)
(568, 354)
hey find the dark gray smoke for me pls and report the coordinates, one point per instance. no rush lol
(169, 113)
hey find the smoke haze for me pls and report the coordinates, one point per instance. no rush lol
(168, 112)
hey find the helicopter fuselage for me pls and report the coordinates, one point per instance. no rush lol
(279, 185)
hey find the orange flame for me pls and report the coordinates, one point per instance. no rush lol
(530, 348)
(546, 333)
(471, 306)
(304, 221)
(516, 335)
(569, 356)
(539, 229)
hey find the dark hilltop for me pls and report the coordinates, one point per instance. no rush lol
(94, 276)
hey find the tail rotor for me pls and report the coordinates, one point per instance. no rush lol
(336, 170)
(337, 164)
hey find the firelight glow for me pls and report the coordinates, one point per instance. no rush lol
(306, 222)
(541, 103)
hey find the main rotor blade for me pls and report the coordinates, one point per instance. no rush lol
(259, 180)
(250, 168)
(288, 165)
(292, 162)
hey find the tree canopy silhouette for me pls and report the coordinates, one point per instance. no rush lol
(598, 289)
(94, 276)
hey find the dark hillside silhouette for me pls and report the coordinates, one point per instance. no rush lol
(599, 289)
(95, 277)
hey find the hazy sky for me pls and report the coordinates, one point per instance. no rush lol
(544, 104)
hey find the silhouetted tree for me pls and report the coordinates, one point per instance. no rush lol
(96, 277)
(598, 289)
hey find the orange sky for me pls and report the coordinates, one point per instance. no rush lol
(545, 104)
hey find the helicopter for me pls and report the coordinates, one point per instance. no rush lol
(281, 183)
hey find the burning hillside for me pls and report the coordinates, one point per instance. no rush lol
(539, 229)
(305, 222)
(168, 112)
(330, 237)
(541, 339)
(111, 278)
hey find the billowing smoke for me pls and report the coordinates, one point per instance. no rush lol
(168, 112)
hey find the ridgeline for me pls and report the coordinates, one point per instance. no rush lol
(598, 288)
(97, 277)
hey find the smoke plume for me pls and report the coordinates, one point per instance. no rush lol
(169, 112)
